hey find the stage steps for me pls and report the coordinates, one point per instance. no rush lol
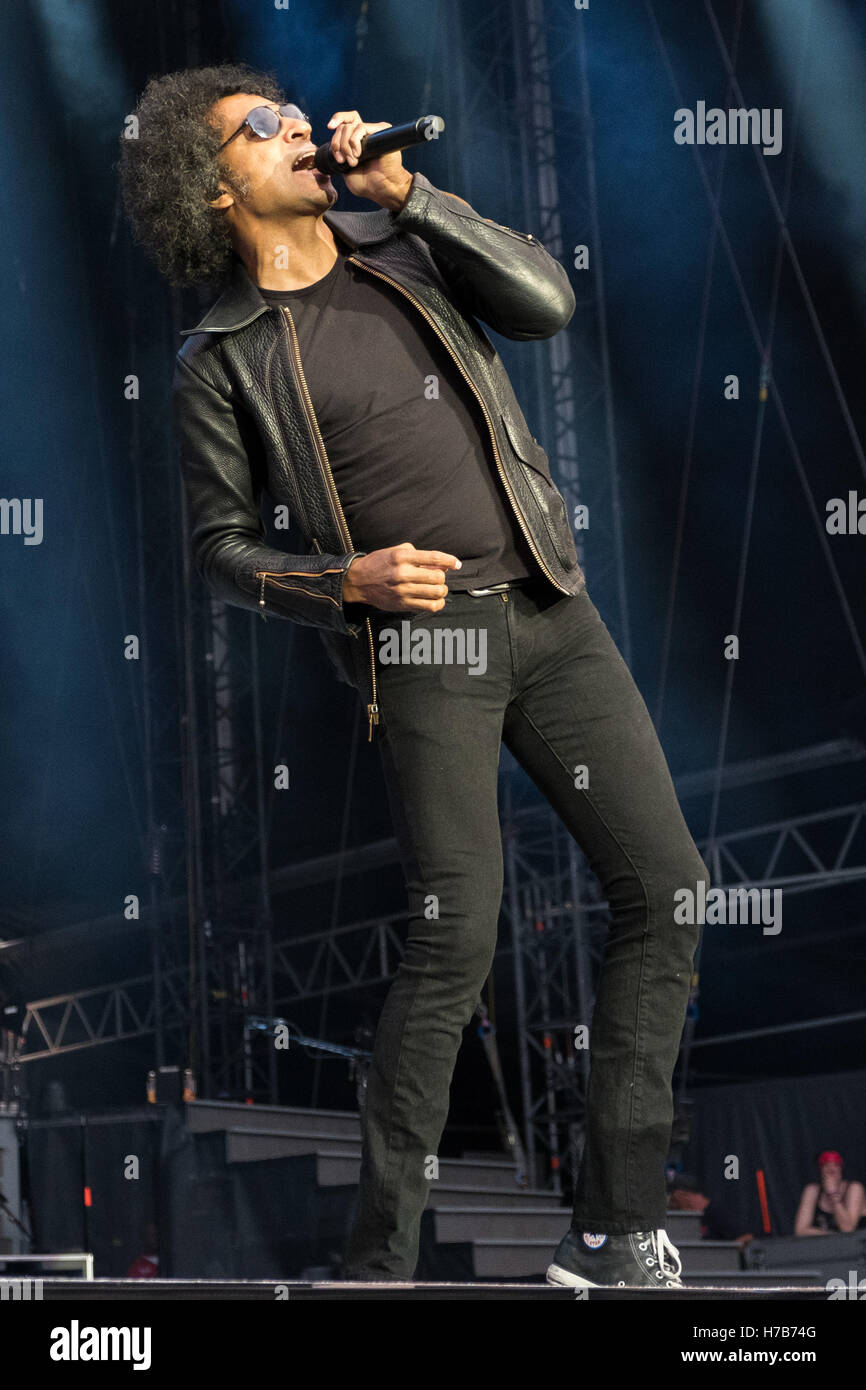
(339, 1162)
(250, 1145)
(204, 1115)
(478, 1223)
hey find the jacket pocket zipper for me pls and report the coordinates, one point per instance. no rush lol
(277, 575)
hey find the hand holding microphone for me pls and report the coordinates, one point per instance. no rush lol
(367, 154)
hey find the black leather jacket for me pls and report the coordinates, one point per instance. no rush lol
(245, 420)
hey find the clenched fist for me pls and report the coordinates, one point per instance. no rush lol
(385, 180)
(400, 578)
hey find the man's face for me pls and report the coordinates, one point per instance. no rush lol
(263, 168)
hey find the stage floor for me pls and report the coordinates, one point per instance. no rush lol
(176, 1290)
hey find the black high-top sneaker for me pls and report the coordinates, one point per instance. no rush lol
(586, 1260)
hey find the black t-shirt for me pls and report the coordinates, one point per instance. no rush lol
(407, 441)
(825, 1220)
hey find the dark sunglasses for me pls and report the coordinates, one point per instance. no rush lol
(265, 122)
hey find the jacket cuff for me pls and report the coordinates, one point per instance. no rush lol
(309, 592)
(415, 206)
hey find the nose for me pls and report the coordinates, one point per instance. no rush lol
(297, 129)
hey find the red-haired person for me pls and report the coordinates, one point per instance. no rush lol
(832, 1205)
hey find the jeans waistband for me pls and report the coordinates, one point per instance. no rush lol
(530, 585)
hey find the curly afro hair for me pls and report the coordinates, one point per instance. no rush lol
(170, 170)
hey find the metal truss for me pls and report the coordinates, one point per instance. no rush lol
(520, 69)
(548, 916)
(230, 927)
(158, 694)
(572, 370)
(114, 1013)
(516, 93)
(204, 864)
(559, 940)
(792, 854)
(349, 958)
(210, 835)
(799, 853)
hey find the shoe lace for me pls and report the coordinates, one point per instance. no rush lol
(669, 1269)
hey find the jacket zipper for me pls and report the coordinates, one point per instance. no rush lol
(277, 575)
(516, 509)
(373, 708)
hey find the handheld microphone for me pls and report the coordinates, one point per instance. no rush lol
(379, 142)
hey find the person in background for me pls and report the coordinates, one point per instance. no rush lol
(831, 1205)
(146, 1265)
(717, 1223)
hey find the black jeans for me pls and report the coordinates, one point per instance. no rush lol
(557, 692)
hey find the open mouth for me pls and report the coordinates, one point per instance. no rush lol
(305, 161)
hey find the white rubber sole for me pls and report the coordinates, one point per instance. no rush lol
(557, 1275)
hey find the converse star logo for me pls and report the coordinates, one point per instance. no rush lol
(593, 1242)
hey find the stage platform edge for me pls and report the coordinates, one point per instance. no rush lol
(256, 1290)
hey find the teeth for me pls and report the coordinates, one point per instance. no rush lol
(305, 162)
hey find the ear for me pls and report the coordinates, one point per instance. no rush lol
(222, 201)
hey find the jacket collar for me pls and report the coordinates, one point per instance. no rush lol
(241, 302)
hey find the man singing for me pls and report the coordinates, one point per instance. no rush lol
(343, 370)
